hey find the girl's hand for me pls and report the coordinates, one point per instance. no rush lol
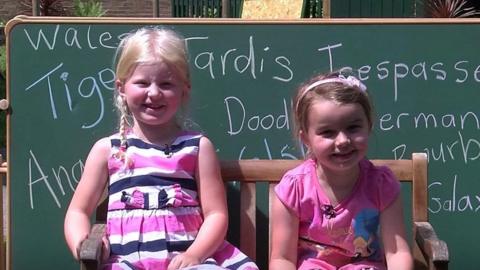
(76, 255)
(183, 260)
(79, 241)
(105, 249)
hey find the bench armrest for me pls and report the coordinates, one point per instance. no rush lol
(91, 248)
(433, 249)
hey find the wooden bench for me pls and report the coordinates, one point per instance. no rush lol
(429, 251)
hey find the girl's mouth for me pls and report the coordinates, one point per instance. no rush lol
(344, 156)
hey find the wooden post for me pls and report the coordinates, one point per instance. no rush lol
(225, 8)
(156, 8)
(35, 7)
(326, 9)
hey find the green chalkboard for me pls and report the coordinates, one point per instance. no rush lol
(424, 77)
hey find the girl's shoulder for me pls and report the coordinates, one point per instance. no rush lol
(300, 171)
(297, 185)
(188, 136)
(380, 183)
(373, 171)
(299, 176)
(103, 142)
(101, 148)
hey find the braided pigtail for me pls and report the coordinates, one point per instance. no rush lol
(123, 131)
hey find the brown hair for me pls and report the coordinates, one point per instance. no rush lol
(331, 89)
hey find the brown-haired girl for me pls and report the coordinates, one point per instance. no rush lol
(337, 210)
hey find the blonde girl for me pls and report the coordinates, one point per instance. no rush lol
(166, 199)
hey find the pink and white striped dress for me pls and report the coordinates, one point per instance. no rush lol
(153, 210)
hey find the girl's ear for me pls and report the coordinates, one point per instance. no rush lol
(120, 88)
(304, 142)
(186, 92)
(304, 138)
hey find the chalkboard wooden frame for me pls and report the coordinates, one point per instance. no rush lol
(399, 130)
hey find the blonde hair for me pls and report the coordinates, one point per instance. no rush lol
(147, 45)
(332, 86)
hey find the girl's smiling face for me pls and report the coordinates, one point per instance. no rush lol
(153, 93)
(337, 134)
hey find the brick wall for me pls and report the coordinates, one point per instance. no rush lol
(115, 8)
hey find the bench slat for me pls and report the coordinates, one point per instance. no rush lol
(253, 170)
(248, 222)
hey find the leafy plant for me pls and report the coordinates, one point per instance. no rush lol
(45, 7)
(3, 61)
(312, 9)
(210, 12)
(450, 9)
(89, 8)
(205, 12)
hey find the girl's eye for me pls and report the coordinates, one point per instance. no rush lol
(354, 127)
(326, 133)
(141, 83)
(166, 85)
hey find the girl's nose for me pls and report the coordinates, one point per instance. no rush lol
(153, 91)
(342, 139)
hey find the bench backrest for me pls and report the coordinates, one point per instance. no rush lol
(250, 172)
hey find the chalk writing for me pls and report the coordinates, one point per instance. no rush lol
(38, 176)
(71, 38)
(453, 201)
(88, 87)
(328, 49)
(425, 71)
(461, 148)
(389, 121)
(418, 71)
(232, 59)
(266, 153)
(254, 121)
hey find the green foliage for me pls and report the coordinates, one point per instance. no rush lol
(89, 8)
(210, 13)
(312, 9)
(3, 61)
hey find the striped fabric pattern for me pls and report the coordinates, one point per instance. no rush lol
(153, 210)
